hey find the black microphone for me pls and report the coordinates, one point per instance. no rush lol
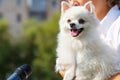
(21, 73)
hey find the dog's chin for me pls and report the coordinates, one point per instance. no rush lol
(76, 32)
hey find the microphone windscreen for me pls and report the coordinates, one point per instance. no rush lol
(24, 71)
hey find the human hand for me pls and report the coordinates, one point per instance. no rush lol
(114, 77)
(62, 73)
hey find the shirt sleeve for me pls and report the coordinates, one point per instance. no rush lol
(113, 35)
(119, 40)
(118, 37)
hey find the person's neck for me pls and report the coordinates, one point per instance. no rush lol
(101, 13)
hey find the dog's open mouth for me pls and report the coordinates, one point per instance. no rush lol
(76, 32)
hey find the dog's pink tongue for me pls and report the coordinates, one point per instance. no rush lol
(74, 32)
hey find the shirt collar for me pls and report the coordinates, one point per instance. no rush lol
(109, 19)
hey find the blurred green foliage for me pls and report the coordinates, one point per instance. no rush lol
(37, 47)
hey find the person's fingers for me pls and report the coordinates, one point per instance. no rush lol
(61, 73)
(114, 77)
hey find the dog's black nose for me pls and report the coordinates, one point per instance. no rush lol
(72, 25)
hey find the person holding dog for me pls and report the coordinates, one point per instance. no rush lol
(108, 12)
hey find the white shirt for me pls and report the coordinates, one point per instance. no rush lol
(110, 27)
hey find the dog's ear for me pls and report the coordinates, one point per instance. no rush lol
(64, 6)
(90, 7)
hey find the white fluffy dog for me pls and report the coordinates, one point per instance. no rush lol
(81, 52)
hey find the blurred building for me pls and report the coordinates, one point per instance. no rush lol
(15, 12)
(18, 11)
(43, 9)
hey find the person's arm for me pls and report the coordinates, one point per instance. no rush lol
(114, 77)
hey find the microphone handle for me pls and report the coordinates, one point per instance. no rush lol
(14, 76)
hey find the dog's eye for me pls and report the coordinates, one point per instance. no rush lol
(81, 21)
(68, 20)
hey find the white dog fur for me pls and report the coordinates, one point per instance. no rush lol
(82, 53)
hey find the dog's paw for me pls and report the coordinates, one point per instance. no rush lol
(70, 73)
(69, 76)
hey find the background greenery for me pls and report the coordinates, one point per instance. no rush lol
(36, 47)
